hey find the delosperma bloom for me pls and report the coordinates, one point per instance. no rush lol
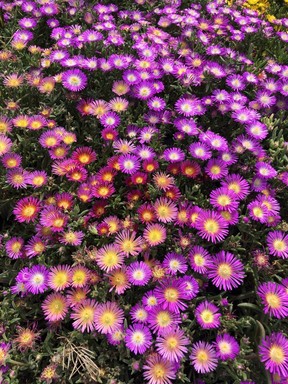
(138, 338)
(274, 298)
(273, 352)
(203, 357)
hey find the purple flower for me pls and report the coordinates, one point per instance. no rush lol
(139, 273)
(274, 298)
(203, 357)
(226, 271)
(273, 352)
(74, 80)
(207, 315)
(226, 347)
(138, 338)
(172, 344)
(37, 281)
(277, 242)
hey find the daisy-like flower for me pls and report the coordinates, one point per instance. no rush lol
(226, 271)
(172, 344)
(35, 246)
(27, 209)
(5, 125)
(53, 218)
(226, 347)
(118, 280)
(26, 338)
(277, 242)
(236, 184)
(154, 234)
(49, 373)
(171, 294)
(14, 247)
(55, 307)
(109, 257)
(173, 155)
(108, 317)
(265, 170)
(211, 226)
(158, 370)
(199, 259)
(163, 181)
(190, 169)
(71, 238)
(203, 357)
(160, 319)
(273, 352)
(207, 315)
(144, 90)
(129, 163)
(37, 179)
(258, 211)
(189, 106)
(216, 169)
(18, 177)
(224, 199)
(4, 350)
(11, 160)
(79, 276)
(110, 120)
(37, 281)
(84, 155)
(200, 151)
(128, 243)
(74, 80)
(274, 298)
(59, 277)
(139, 273)
(138, 338)
(191, 287)
(165, 210)
(187, 126)
(5, 144)
(139, 314)
(175, 263)
(149, 300)
(76, 296)
(84, 314)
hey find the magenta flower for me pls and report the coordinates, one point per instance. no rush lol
(273, 352)
(139, 273)
(226, 271)
(207, 315)
(277, 242)
(172, 344)
(274, 298)
(74, 80)
(203, 357)
(226, 347)
(138, 338)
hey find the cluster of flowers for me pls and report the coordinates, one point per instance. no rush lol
(143, 230)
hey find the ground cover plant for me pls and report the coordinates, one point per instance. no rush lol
(143, 205)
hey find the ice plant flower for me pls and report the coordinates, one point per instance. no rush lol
(226, 271)
(84, 314)
(203, 357)
(138, 338)
(278, 244)
(74, 80)
(172, 344)
(55, 307)
(27, 209)
(207, 315)
(226, 347)
(273, 352)
(158, 370)
(108, 317)
(274, 298)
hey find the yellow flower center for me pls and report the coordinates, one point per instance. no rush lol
(207, 316)
(224, 271)
(273, 300)
(202, 356)
(211, 226)
(171, 295)
(276, 354)
(279, 245)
